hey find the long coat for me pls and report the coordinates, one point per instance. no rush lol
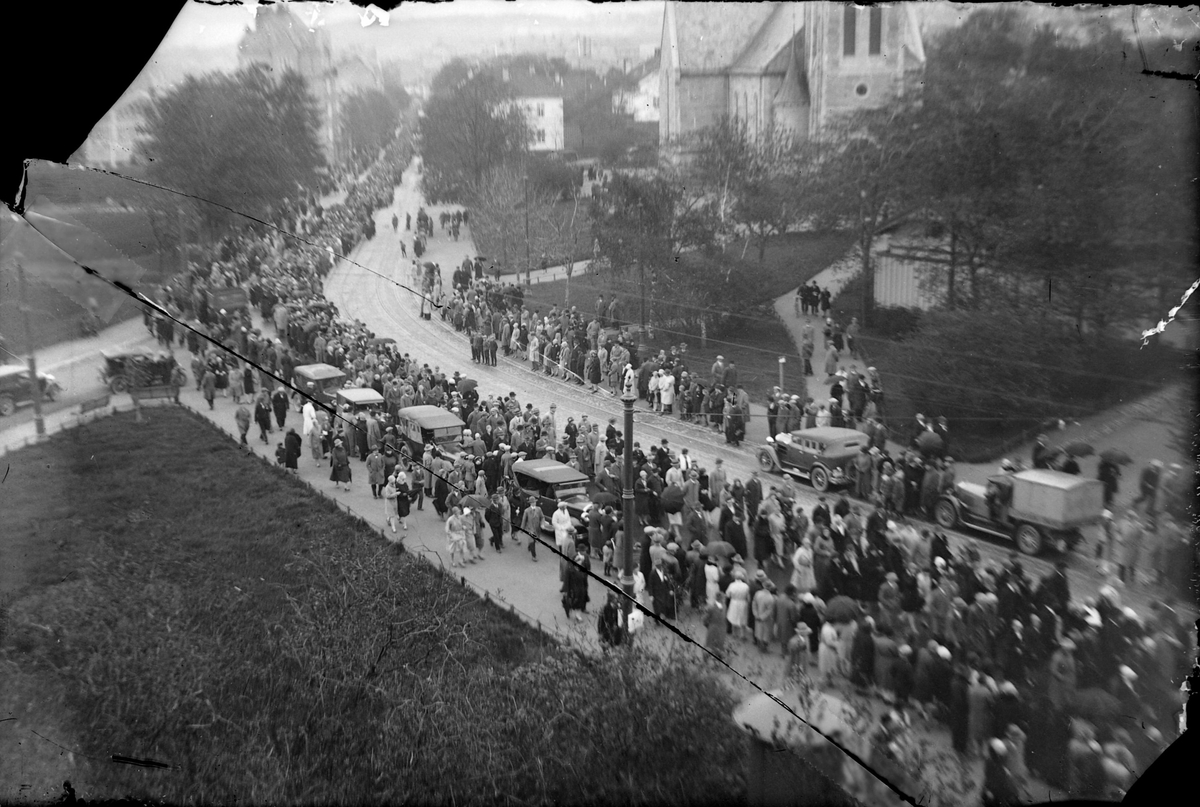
(341, 465)
(375, 469)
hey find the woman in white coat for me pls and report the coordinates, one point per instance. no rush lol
(712, 581)
(389, 503)
(738, 610)
(827, 653)
(312, 431)
(802, 568)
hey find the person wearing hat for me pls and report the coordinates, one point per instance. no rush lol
(998, 787)
(763, 606)
(340, 463)
(738, 595)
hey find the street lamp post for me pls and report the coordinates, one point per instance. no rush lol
(782, 361)
(39, 423)
(528, 265)
(643, 348)
(628, 511)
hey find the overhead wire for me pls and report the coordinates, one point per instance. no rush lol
(612, 587)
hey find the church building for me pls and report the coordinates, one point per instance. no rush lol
(789, 65)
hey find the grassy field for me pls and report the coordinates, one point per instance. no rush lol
(190, 604)
(754, 338)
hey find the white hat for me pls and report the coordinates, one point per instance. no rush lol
(1127, 673)
(943, 653)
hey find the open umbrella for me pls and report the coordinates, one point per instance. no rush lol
(604, 499)
(1116, 455)
(930, 441)
(466, 384)
(429, 265)
(476, 502)
(381, 340)
(841, 609)
(722, 549)
(672, 499)
(1078, 448)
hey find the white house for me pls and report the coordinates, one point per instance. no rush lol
(544, 114)
(641, 101)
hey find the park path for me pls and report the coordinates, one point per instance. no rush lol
(1141, 425)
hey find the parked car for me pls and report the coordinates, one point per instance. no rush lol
(231, 299)
(823, 455)
(552, 482)
(1032, 507)
(420, 426)
(16, 388)
(321, 381)
(358, 399)
(136, 368)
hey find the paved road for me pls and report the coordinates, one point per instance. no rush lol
(375, 295)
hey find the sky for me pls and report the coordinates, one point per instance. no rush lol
(205, 25)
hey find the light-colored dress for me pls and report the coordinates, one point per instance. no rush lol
(712, 582)
(802, 570)
(827, 652)
(738, 612)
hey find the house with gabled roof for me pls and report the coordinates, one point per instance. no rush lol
(789, 65)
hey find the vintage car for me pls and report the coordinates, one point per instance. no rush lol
(823, 456)
(420, 426)
(16, 389)
(231, 299)
(552, 482)
(321, 381)
(358, 399)
(1032, 507)
(137, 368)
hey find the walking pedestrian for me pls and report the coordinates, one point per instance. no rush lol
(242, 416)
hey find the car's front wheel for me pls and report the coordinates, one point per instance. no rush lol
(819, 478)
(946, 514)
(7, 405)
(766, 460)
(1029, 539)
(118, 384)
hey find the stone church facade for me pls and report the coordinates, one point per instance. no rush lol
(789, 65)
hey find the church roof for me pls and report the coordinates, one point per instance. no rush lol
(794, 90)
(712, 36)
(775, 33)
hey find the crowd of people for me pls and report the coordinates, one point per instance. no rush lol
(1019, 672)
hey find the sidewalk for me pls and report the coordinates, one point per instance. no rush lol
(74, 363)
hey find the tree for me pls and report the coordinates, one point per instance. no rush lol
(867, 171)
(470, 126)
(643, 225)
(243, 141)
(368, 120)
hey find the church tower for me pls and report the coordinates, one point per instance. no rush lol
(860, 57)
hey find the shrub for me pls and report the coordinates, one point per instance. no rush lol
(274, 650)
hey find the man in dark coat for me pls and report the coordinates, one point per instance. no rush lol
(862, 655)
(661, 588)
(279, 402)
(262, 414)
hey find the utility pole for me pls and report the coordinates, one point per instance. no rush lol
(528, 264)
(782, 361)
(643, 348)
(628, 510)
(33, 373)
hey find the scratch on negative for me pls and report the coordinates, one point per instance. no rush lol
(1163, 323)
